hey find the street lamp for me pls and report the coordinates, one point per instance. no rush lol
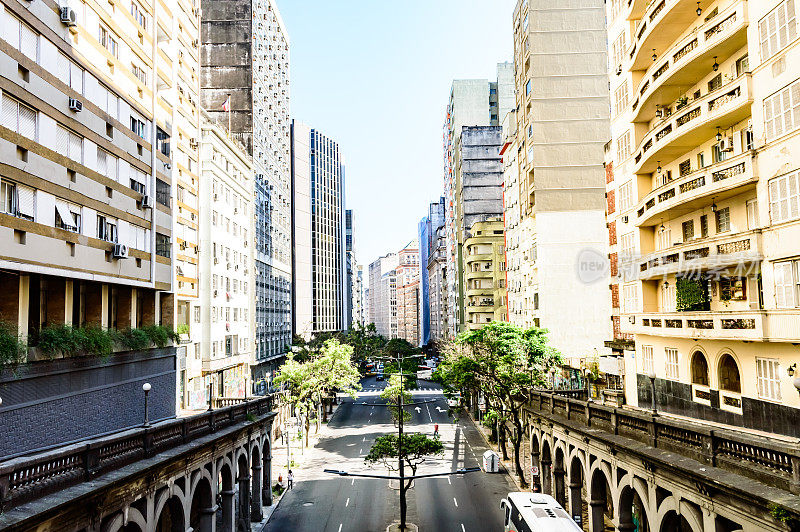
(553, 378)
(652, 376)
(146, 387)
(588, 372)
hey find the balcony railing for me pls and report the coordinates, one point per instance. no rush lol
(702, 254)
(680, 132)
(711, 180)
(712, 325)
(771, 461)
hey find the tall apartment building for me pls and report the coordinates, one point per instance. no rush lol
(431, 305)
(561, 126)
(485, 278)
(86, 182)
(472, 102)
(437, 279)
(383, 294)
(319, 293)
(221, 322)
(352, 302)
(366, 306)
(408, 293)
(358, 296)
(705, 203)
(245, 84)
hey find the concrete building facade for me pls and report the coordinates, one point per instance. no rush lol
(383, 294)
(485, 278)
(702, 203)
(245, 84)
(319, 253)
(408, 293)
(431, 306)
(561, 126)
(475, 102)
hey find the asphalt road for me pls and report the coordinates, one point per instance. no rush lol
(323, 502)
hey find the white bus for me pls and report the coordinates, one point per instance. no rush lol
(535, 512)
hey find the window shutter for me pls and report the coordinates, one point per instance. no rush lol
(26, 204)
(784, 286)
(102, 161)
(62, 68)
(62, 141)
(10, 110)
(11, 30)
(75, 147)
(794, 103)
(29, 42)
(27, 122)
(76, 77)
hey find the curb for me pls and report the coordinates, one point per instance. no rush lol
(489, 445)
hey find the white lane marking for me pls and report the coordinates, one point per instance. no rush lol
(346, 504)
(340, 527)
(352, 481)
(462, 528)
(448, 481)
(455, 502)
(364, 438)
(429, 412)
(360, 450)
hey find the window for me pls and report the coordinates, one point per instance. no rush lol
(688, 230)
(733, 289)
(618, 48)
(715, 83)
(139, 72)
(18, 117)
(699, 369)
(623, 146)
(69, 144)
(162, 141)
(162, 192)
(163, 246)
(647, 359)
(784, 197)
(752, 213)
(626, 196)
(782, 111)
(106, 229)
(777, 29)
(138, 126)
(107, 40)
(20, 36)
(70, 73)
(671, 358)
(704, 225)
(68, 216)
(528, 87)
(723, 220)
(685, 167)
(621, 98)
(768, 375)
(139, 15)
(742, 65)
(106, 164)
(626, 244)
(630, 301)
(787, 277)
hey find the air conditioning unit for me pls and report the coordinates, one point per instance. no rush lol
(120, 251)
(726, 144)
(619, 70)
(69, 17)
(625, 219)
(632, 319)
(75, 105)
(183, 245)
(147, 202)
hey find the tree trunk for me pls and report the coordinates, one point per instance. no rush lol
(324, 411)
(517, 441)
(502, 439)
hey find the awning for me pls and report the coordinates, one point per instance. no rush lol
(66, 216)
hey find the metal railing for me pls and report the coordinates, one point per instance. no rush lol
(772, 461)
(30, 477)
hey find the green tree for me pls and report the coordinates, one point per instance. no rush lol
(366, 342)
(505, 362)
(391, 394)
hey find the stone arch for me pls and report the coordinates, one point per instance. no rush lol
(170, 514)
(546, 467)
(197, 476)
(576, 487)
(266, 458)
(225, 486)
(632, 506)
(257, 478)
(243, 487)
(536, 477)
(129, 520)
(699, 369)
(729, 372)
(601, 497)
(201, 509)
(671, 519)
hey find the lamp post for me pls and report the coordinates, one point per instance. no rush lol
(587, 372)
(210, 393)
(553, 378)
(146, 387)
(652, 376)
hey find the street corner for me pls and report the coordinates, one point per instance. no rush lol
(591, 265)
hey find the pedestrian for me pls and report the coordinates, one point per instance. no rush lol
(436, 430)
(289, 480)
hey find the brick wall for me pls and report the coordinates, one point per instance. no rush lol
(612, 204)
(612, 233)
(614, 265)
(609, 172)
(614, 296)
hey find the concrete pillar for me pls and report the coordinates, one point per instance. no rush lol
(228, 511)
(134, 308)
(256, 499)
(244, 500)
(104, 310)
(69, 297)
(167, 302)
(597, 510)
(207, 521)
(23, 305)
(266, 488)
(575, 502)
(546, 473)
(146, 305)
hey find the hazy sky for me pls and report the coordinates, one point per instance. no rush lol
(375, 76)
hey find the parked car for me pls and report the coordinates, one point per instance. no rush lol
(379, 376)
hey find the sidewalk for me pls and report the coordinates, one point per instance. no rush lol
(507, 465)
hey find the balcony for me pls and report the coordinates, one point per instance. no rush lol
(694, 124)
(213, 365)
(691, 191)
(718, 252)
(747, 325)
(690, 59)
(662, 23)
